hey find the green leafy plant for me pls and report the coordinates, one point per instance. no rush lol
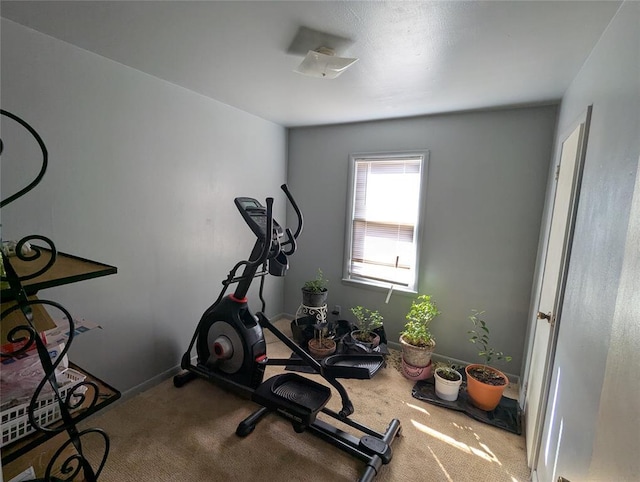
(317, 285)
(480, 336)
(367, 322)
(416, 330)
(447, 370)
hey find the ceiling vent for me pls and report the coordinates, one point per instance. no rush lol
(319, 49)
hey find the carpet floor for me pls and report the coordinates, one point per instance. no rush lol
(188, 434)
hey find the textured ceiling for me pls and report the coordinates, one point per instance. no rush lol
(415, 57)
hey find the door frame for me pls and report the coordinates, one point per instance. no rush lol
(585, 120)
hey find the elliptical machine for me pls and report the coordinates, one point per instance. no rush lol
(231, 351)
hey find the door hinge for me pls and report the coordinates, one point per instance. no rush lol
(557, 175)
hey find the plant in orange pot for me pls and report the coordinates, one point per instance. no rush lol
(321, 346)
(485, 384)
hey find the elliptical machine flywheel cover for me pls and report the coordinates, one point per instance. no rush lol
(230, 364)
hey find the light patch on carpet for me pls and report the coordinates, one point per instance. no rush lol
(444, 471)
(420, 409)
(455, 443)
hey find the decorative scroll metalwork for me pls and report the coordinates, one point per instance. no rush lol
(319, 312)
(45, 158)
(84, 394)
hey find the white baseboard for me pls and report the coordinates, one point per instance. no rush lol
(152, 382)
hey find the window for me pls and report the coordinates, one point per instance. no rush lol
(384, 218)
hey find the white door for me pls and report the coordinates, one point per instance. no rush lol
(567, 177)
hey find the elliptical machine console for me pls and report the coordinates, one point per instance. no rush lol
(231, 351)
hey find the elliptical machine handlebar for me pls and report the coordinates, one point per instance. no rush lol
(292, 239)
(268, 246)
(267, 230)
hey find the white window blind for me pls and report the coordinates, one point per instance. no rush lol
(383, 238)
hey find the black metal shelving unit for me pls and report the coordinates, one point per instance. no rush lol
(23, 314)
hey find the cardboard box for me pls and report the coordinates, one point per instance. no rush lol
(41, 321)
(39, 458)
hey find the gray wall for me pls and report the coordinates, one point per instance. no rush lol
(596, 420)
(142, 176)
(487, 176)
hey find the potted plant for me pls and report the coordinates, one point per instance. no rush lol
(319, 345)
(447, 380)
(367, 322)
(416, 339)
(314, 292)
(485, 384)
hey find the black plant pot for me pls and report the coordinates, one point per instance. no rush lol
(303, 330)
(314, 299)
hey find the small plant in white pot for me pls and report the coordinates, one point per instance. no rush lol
(447, 380)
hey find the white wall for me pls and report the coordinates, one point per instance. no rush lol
(486, 185)
(142, 176)
(613, 453)
(593, 430)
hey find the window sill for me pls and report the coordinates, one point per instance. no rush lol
(401, 290)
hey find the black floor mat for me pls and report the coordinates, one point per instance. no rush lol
(507, 415)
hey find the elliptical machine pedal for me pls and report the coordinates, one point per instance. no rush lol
(295, 397)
